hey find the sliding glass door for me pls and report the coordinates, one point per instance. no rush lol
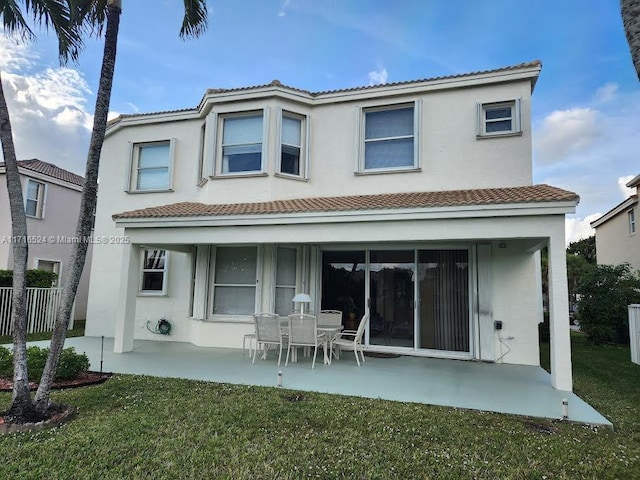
(418, 300)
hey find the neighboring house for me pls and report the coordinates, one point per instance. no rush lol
(52, 203)
(617, 239)
(412, 201)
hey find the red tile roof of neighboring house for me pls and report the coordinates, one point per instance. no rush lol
(277, 83)
(50, 170)
(386, 201)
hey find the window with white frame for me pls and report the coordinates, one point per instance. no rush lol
(499, 118)
(235, 278)
(50, 266)
(389, 138)
(241, 146)
(151, 166)
(154, 272)
(285, 280)
(632, 221)
(291, 145)
(35, 198)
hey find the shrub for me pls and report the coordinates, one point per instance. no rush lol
(35, 278)
(6, 362)
(605, 292)
(36, 359)
(71, 364)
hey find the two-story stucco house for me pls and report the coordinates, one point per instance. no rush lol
(616, 238)
(411, 201)
(52, 204)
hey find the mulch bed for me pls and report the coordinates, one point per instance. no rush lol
(84, 379)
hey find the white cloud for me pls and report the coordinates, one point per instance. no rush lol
(566, 132)
(622, 185)
(579, 228)
(48, 108)
(379, 76)
(606, 93)
(283, 8)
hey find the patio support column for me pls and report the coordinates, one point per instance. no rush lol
(126, 310)
(561, 377)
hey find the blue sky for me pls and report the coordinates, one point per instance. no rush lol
(586, 105)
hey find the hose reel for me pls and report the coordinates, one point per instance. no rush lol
(162, 327)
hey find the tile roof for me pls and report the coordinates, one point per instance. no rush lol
(277, 83)
(453, 198)
(50, 170)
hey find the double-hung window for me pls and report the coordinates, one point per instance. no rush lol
(35, 197)
(242, 143)
(285, 280)
(151, 167)
(154, 272)
(389, 138)
(631, 214)
(292, 149)
(235, 280)
(499, 118)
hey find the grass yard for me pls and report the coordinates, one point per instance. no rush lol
(140, 427)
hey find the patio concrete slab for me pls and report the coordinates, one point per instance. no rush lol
(514, 389)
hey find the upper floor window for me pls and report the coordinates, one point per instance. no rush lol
(154, 272)
(389, 139)
(234, 287)
(499, 118)
(35, 198)
(632, 221)
(50, 266)
(242, 143)
(291, 145)
(151, 166)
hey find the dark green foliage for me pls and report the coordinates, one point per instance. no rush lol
(6, 362)
(543, 328)
(35, 278)
(585, 248)
(71, 363)
(606, 291)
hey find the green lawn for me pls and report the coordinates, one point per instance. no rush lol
(139, 427)
(76, 331)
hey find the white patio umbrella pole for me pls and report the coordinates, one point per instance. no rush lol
(302, 298)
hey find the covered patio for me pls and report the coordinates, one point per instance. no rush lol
(503, 388)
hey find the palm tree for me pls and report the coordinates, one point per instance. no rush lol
(194, 24)
(55, 14)
(631, 20)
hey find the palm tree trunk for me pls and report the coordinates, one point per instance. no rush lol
(87, 207)
(631, 20)
(21, 406)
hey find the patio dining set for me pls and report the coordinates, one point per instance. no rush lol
(303, 330)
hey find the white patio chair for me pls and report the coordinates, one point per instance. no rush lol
(303, 332)
(330, 318)
(268, 332)
(351, 339)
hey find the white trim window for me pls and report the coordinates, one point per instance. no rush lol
(285, 285)
(235, 279)
(499, 118)
(153, 278)
(50, 266)
(292, 145)
(152, 166)
(389, 138)
(631, 215)
(241, 147)
(34, 199)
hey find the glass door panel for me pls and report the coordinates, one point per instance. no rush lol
(391, 280)
(443, 284)
(343, 277)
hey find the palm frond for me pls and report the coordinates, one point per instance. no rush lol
(195, 19)
(13, 22)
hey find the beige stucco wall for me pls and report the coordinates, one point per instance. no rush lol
(614, 243)
(49, 234)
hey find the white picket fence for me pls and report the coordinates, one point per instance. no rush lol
(42, 304)
(634, 332)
